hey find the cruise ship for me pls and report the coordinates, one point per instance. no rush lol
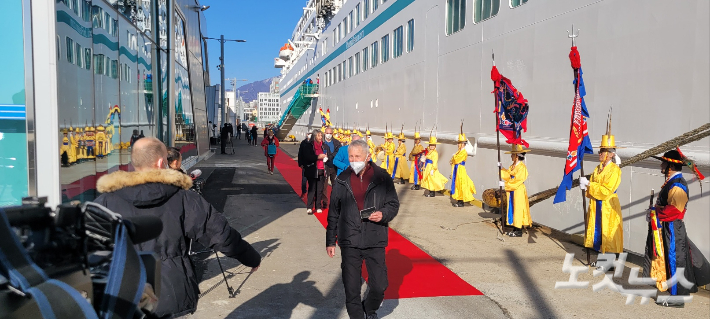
(394, 63)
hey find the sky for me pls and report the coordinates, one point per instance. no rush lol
(265, 25)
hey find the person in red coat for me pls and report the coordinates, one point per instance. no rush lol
(270, 144)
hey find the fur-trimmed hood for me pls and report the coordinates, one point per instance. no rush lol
(122, 179)
(144, 188)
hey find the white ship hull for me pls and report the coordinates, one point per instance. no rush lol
(650, 60)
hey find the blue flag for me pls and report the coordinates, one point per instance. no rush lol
(579, 143)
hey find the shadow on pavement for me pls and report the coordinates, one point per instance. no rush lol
(279, 301)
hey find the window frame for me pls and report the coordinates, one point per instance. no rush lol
(510, 4)
(375, 54)
(398, 42)
(411, 28)
(358, 63)
(385, 48)
(70, 49)
(461, 13)
(365, 58)
(475, 10)
(358, 13)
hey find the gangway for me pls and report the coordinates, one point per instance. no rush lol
(300, 104)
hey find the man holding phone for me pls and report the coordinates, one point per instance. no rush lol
(362, 203)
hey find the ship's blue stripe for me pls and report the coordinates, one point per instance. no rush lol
(98, 38)
(383, 17)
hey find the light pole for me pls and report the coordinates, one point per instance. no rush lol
(221, 68)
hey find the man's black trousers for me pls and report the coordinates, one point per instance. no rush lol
(352, 272)
(331, 173)
(304, 182)
(223, 144)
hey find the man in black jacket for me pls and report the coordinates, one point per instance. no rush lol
(363, 187)
(226, 133)
(154, 190)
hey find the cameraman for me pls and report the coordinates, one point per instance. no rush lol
(153, 189)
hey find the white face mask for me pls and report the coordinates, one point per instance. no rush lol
(357, 166)
(328, 136)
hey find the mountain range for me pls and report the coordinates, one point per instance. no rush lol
(250, 92)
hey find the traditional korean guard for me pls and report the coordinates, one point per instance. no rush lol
(604, 230)
(668, 248)
(462, 187)
(417, 169)
(401, 169)
(432, 180)
(514, 177)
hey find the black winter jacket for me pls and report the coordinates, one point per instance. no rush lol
(185, 215)
(331, 153)
(307, 158)
(344, 223)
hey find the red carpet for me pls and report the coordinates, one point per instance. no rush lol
(412, 273)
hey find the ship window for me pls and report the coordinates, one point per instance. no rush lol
(357, 63)
(350, 67)
(97, 17)
(375, 4)
(74, 5)
(70, 50)
(324, 47)
(375, 56)
(515, 3)
(87, 58)
(86, 10)
(340, 31)
(367, 9)
(350, 22)
(78, 54)
(358, 15)
(385, 48)
(456, 15)
(335, 36)
(345, 27)
(398, 42)
(410, 35)
(484, 9)
(365, 59)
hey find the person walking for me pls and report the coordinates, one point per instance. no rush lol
(312, 156)
(254, 133)
(362, 204)
(226, 133)
(342, 160)
(239, 131)
(270, 145)
(304, 180)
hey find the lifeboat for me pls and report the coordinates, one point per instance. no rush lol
(279, 63)
(286, 51)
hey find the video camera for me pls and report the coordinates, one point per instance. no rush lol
(74, 244)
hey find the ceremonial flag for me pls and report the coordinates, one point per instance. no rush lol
(579, 143)
(511, 109)
(324, 118)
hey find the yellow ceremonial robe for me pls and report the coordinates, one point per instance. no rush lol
(432, 179)
(401, 169)
(67, 148)
(388, 163)
(462, 187)
(415, 176)
(518, 214)
(371, 146)
(74, 141)
(604, 231)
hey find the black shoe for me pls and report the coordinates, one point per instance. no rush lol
(431, 194)
(458, 204)
(672, 304)
(401, 180)
(372, 316)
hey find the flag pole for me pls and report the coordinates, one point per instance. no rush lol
(572, 35)
(499, 195)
